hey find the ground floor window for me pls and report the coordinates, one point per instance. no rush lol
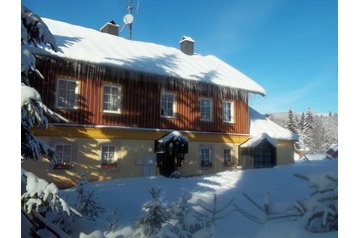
(206, 156)
(63, 156)
(108, 156)
(227, 158)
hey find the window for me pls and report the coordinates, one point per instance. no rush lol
(206, 157)
(66, 95)
(228, 111)
(206, 109)
(111, 98)
(227, 158)
(108, 156)
(63, 157)
(167, 104)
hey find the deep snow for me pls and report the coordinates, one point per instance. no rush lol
(129, 194)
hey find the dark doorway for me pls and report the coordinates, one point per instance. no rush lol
(258, 155)
(170, 150)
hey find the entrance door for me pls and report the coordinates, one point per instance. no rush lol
(263, 157)
(166, 164)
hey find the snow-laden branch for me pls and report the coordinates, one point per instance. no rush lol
(41, 196)
(36, 30)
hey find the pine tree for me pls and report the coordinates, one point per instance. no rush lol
(302, 121)
(37, 194)
(156, 214)
(291, 122)
(187, 221)
(308, 132)
(34, 113)
(292, 126)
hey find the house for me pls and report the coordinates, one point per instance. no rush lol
(139, 109)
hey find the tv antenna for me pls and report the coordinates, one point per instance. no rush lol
(129, 18)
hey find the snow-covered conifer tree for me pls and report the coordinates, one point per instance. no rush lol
(308, 131)
(292, 126)
(187, 221)
(156, 215)
(38, 193)
(34, 113)
(302, 122)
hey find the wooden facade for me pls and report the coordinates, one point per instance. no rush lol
(140, 98)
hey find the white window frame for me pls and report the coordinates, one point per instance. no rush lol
(209, 154)
(174, 104)
(115, 159)
(118, 111)
(232, 111)
(75, 106)
(60, 160)
(210, 109)
(227, 151)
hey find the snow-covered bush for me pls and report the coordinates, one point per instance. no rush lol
(157, 213)
(320, 210)
(186, 220)
(211, 213)
(317, 213)
(113, 220)
(86, 203)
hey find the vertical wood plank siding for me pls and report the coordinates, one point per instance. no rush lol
(140, 98)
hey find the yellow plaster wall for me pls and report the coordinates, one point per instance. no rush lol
(285, 152)
(131, 153)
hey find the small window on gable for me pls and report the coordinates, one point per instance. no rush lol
(206, 157)
(206, 109)
(167, 104)
(66, 94)
(63, 156)
(228, 111)
(108, 156)
(112, 98)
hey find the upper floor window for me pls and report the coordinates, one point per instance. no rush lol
(66, 94)
(206, 157)
(108, 159)
(167, 104)
(63, 156)
(111, 98)
(228, 111)
(206, 109)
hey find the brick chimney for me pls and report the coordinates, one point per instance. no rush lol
(110, 28)
(187, 45)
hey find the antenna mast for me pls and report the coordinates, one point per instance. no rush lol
(130, 10)
(128, 18)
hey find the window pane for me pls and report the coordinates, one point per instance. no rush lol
(167, 104)
(66, 94)
(111, 98)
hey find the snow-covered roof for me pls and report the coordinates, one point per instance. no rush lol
(260, 124)
(172, 134)
(258, 139)
(80, 43)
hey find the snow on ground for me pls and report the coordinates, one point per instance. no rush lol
(129, 194)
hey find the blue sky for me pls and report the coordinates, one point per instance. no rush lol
(290, 47)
